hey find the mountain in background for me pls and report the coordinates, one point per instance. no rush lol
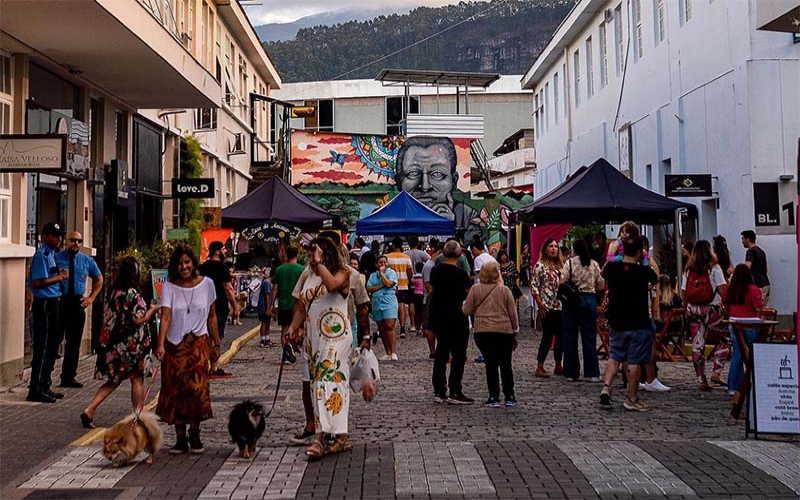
(275, 32)
(499, 36)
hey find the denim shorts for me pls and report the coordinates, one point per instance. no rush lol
(381, 314)
(633, 346)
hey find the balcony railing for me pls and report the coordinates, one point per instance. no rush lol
(163, 12)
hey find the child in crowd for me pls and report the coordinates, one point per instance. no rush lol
(265, 309)
(419, 294)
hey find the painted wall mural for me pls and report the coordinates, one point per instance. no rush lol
(352, 175)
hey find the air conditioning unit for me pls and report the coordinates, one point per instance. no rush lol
(608, 16)
(237, 144)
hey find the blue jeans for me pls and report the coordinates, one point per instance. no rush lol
(222, 321)
(583, 320)
(736, 371)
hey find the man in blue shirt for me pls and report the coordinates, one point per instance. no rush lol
(45, 283)
(73, 302)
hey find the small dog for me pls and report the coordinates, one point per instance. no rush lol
(125, 440)
(246, 424)
(241, 299)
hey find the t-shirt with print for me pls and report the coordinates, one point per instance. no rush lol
(628, 295)
(400, 263)
(717, 280)
(450, 287)
(758, 265)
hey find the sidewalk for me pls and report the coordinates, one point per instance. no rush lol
(31, 432)
(557, 443)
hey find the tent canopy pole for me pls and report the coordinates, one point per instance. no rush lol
(678, 254)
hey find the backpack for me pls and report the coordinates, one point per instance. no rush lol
(698, 288)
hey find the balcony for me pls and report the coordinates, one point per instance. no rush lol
(520, 159)
(130, 49)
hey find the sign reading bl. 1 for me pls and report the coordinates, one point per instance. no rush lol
(685, 185)
(193, 188)
(774, 204)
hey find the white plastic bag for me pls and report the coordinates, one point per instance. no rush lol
(365, 375)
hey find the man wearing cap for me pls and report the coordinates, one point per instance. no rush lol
(45, 283)
(73, 303)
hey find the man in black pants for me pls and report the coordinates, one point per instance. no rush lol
(45, 283)
(73, 304)
(450, 285)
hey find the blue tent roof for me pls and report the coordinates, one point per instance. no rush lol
(402, 216)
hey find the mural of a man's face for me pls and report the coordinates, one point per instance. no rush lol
(427, 175)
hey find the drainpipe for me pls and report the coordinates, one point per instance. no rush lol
(568, 103)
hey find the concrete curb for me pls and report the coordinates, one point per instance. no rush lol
(97, 433)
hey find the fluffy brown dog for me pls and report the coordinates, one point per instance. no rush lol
(124, 441)
(241, 300)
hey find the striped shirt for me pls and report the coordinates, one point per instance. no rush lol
(400, 263)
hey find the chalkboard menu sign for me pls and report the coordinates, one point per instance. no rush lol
(775, 401)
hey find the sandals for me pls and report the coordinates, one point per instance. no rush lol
(340, 444)
(315, 451)
(87, 422)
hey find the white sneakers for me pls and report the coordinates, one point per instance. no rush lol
(394, 357)
(654, 386)
(387, 357)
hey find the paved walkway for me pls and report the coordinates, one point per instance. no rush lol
(557, 443)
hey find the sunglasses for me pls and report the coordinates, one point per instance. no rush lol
(76, 240)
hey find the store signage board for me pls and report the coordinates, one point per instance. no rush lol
(271, 231)
(33, 153)
(179, 233)
(774, 206)
(193, 188)
(774, 400)
(687, 185)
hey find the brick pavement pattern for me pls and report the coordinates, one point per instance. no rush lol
(557, 443)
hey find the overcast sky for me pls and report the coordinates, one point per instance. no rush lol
(281, 11)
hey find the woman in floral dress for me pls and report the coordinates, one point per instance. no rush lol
(545, 279)
(124, 341)
(328, 345)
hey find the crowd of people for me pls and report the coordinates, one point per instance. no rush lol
(444, 294)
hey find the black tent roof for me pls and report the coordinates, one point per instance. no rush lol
(601, 194)
(275, 199)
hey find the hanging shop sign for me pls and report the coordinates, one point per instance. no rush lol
(271, 231)
(774, 205)
(686, 185)
(193, 188)
(33, 153)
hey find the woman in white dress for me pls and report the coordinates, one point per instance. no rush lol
(328, 344)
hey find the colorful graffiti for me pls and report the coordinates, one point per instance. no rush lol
(352, 175)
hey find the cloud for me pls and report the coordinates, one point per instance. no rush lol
(276, 11)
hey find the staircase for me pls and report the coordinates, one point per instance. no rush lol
(261, 175)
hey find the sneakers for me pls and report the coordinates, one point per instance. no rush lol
(440, 398)
(219, 373)
(593, 379)
(288, 354)
(303, 437)
(492, 403)
(605, 397)
(394, 357)
(459, 399)
(385, 357)
(402, 335)
(511, 401)
(266, 343)
(655, 386)
(195, 446)
(637, 405)
(180, 447)
(479, 359)
(412, 329)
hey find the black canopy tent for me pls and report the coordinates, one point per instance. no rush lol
(276, 200)
(601, 194)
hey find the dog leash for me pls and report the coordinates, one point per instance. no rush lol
(137, 413)
(280, 376)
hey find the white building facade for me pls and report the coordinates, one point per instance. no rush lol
(676, 87)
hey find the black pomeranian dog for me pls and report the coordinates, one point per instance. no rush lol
(246, 424)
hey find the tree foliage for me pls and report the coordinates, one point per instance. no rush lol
(191, 211)
(502, 36)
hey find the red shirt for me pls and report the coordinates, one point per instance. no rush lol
(752, 303)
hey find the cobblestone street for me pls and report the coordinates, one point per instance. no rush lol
(557, 443)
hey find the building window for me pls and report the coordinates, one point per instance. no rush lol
(537, 132)
(576, 67)
(187, 24)
(619, 35)
(396, 113)
(686, 11)
(637, 20)
(564, 89)
(603, 56)
(322, 119)
(589, 70)
(510, 181)
(661, 21)
(205, 119)
(555, 98)
(5, 207)
(546, 105)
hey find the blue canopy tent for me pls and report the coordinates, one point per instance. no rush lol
(402, 216)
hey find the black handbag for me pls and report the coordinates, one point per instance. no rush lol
(568, 292)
